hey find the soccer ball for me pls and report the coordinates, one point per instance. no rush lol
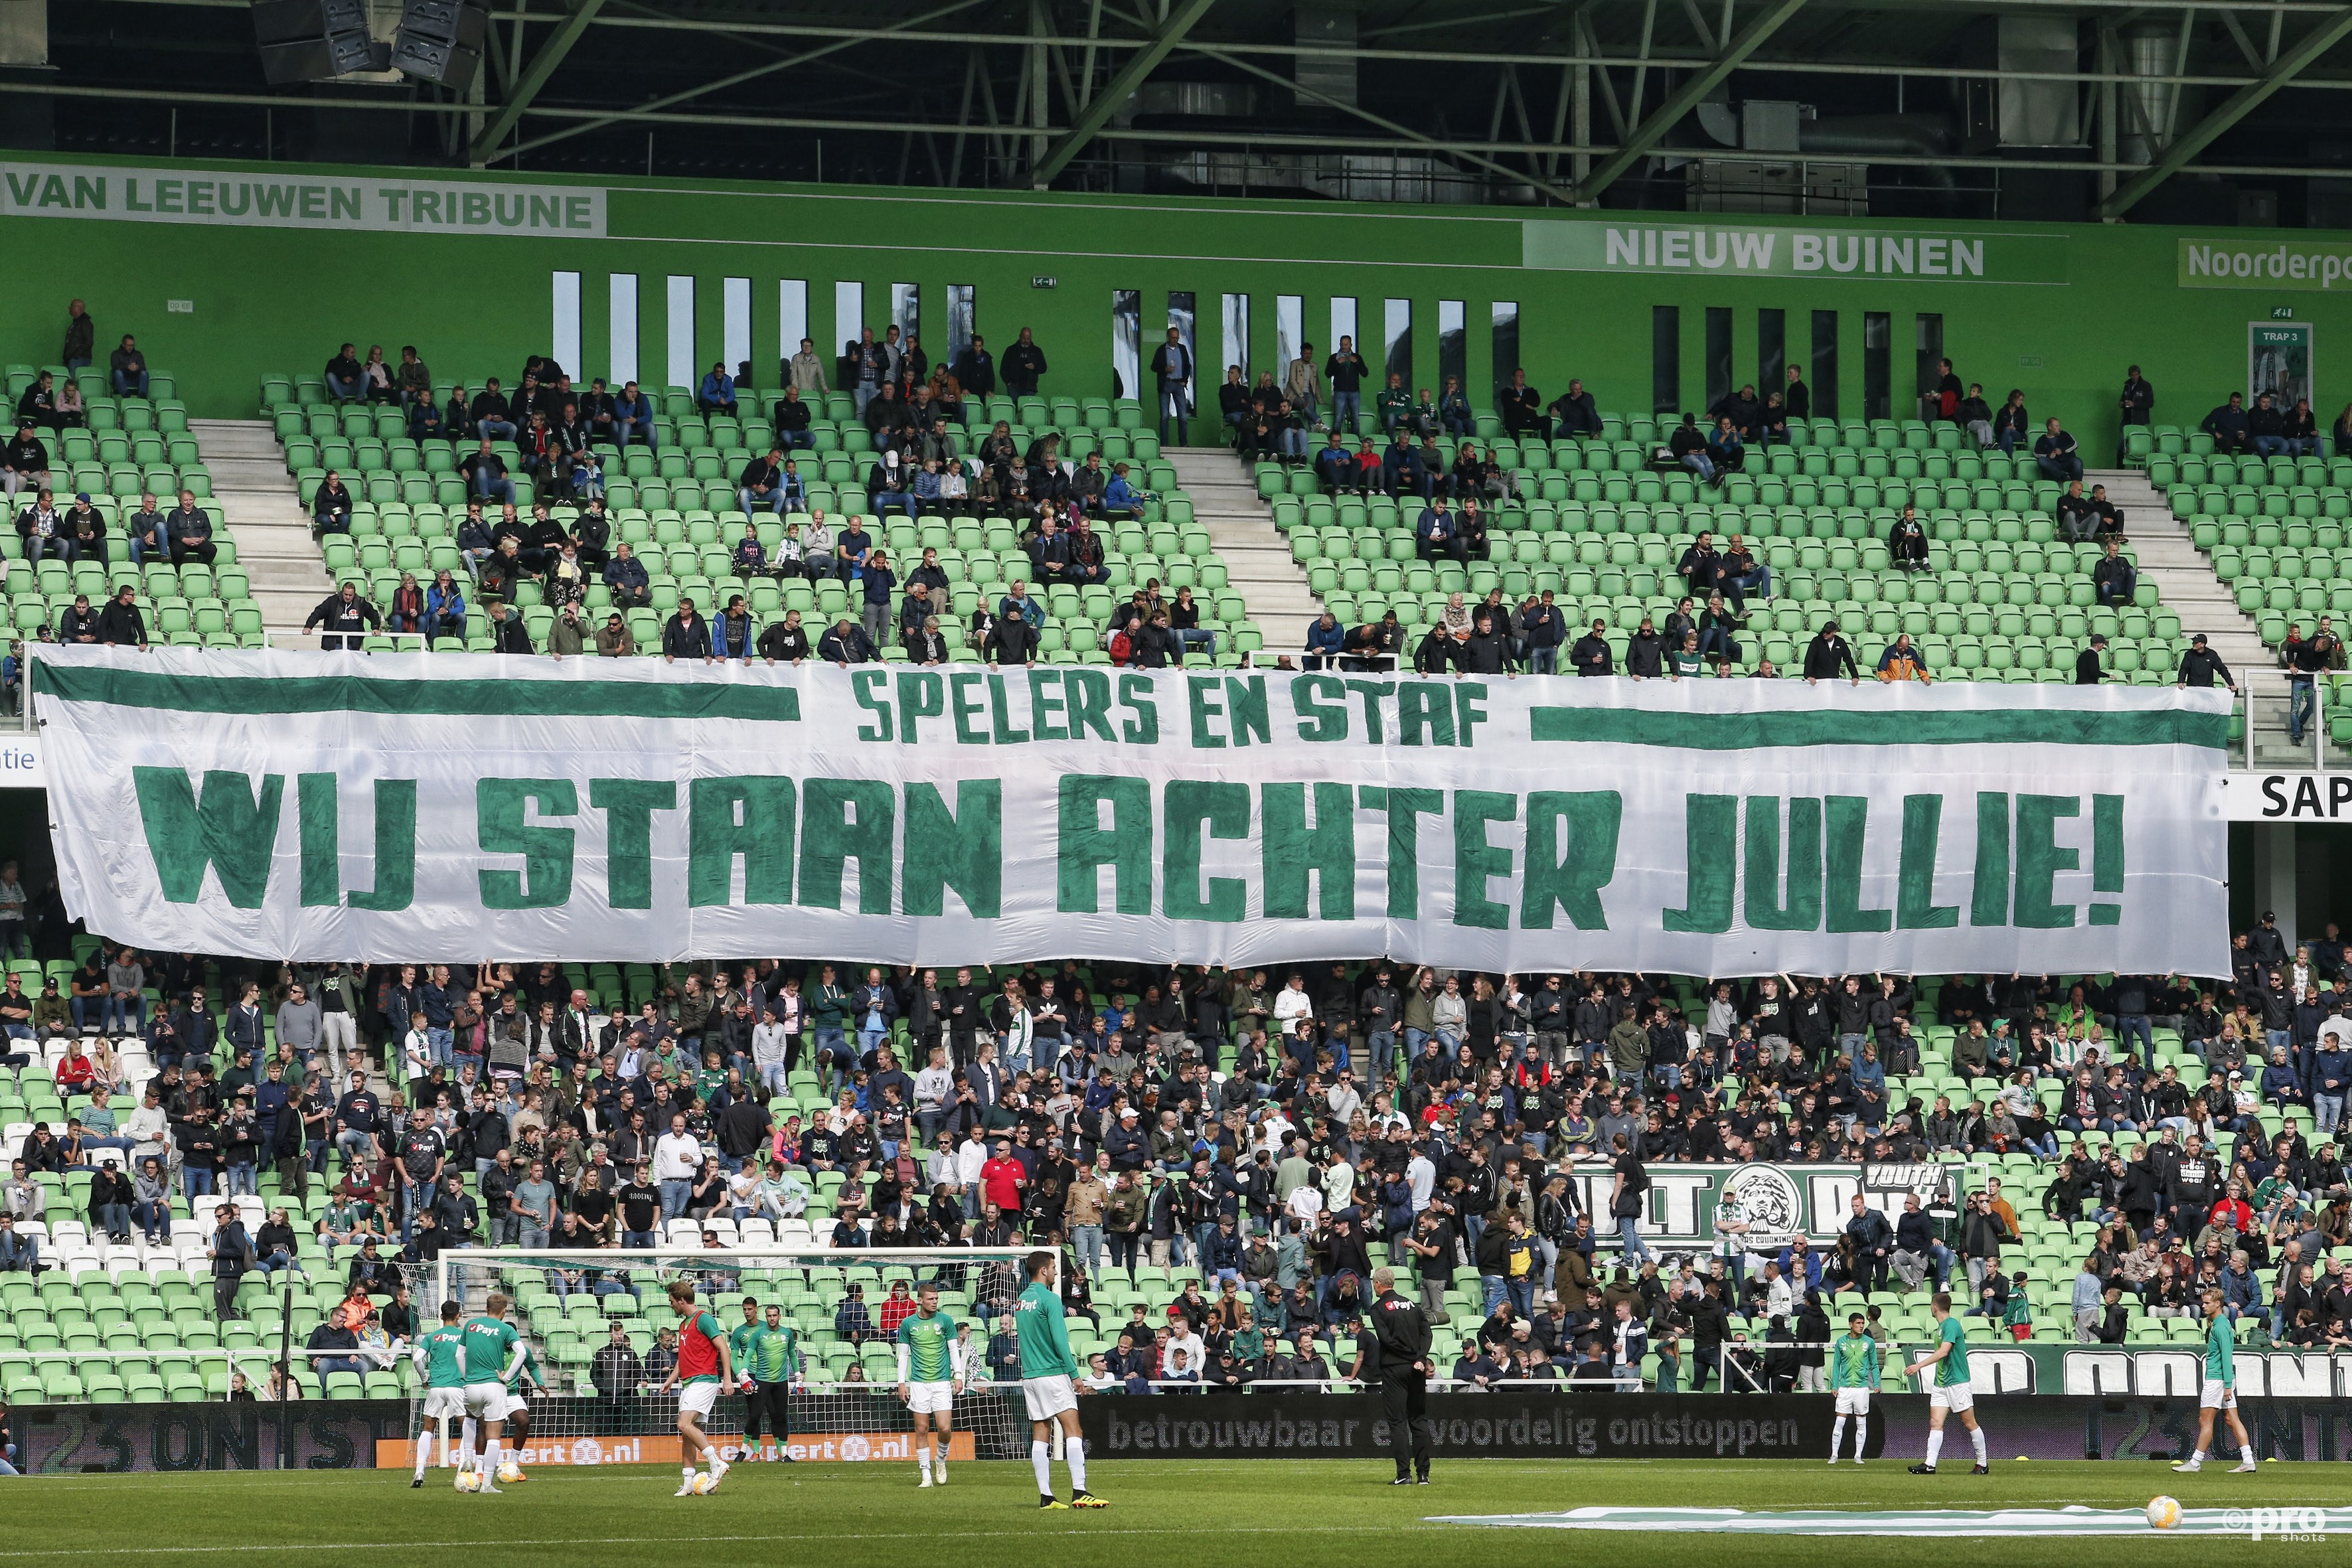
(467, 1481)
(2163, 1513)
(705, 1484)
(510, 1472)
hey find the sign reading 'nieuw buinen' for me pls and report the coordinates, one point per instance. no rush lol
(1789, 250)
(335, 805)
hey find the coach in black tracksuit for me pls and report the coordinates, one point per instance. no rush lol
(1403, 1371)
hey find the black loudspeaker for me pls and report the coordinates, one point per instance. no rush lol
(314, 40)
(441, 41)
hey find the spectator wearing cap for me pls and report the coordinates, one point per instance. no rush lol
(2088, 669)
(1827, 654)
(25, 462)
(2201, 666)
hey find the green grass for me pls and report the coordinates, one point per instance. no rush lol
(1295, 1513)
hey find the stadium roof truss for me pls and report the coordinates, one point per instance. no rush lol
(1557, 99)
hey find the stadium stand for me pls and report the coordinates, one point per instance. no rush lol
(2228, 1167)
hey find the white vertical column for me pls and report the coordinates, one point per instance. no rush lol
(623, 310)
(792, 316)
(563, 335)
(735, 310)
(678, 361)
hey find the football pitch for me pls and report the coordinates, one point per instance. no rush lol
(1255, 1511)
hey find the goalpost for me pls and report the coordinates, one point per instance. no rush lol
(603, 1408)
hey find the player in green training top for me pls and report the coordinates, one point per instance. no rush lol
(930, 1375)
(2220, 1389)
(1049, 1376)
(440, 1358)
(517, 1414)
(1853, 1373)
(769, 1360)
(1952, 1391)
(494, 1352)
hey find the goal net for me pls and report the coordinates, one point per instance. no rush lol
(603, 1335)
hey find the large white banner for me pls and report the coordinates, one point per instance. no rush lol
(319, 805)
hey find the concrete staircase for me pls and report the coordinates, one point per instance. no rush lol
(263, 513)
(1258, 565)
(2161, 547)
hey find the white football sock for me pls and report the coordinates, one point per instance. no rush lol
(1075, 1451)
(1837, 1438)
(2246, 1452)
(923, 1463)
(466, 1445)
(1934, 1444)
(686, 1471)
(1860, 1430)
(1041, 1459)
(1977, 1441)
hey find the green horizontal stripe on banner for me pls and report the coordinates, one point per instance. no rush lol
(251, 695)
(1997, 727)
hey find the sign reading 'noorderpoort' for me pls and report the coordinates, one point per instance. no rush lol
(319, 805)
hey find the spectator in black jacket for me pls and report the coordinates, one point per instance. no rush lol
(121, 624)
(845, 644)
(686, 635)
(1826, 654)
(785, 639)
(1437, 654)
(2012, 424)
(974, 370)
(2202, 667)
(343, 618)
(1024, 364)
(2088, 670)
(508, 633)
(2229, 425)
(1590, 655)
(1489, 651)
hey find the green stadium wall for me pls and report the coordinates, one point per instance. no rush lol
(2056, 309)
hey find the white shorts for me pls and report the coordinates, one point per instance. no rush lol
(930, 1398)
(1049, 1396)
(1952, 1396)
(1853, 1402)
(441, 1402)
(515, 1405)
(486, 1401)
(698, 1398)
(2216, 1396)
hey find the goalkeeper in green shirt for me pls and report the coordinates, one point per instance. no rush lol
(930, 1375)
(769, 1355)
(1853, 1373)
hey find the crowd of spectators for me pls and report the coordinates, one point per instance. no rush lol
(1281, 1134)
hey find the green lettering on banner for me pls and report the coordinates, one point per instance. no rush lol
(1846, 824)
(866, 688)
(1187, 805)
(1424, 715)
(500, 809)
(1568, 877)
(1371, 694)
(1914, 876)
(1001, 729)
(628, 805)
(2106, 856)
(1709, 823)
(1088, 691)
(1045, 705)
(1201, 707)
(964, 701)
(964, 850)
(1317, 722)
(752, 818)
(1084, 846)
(1767, 908)
(1405, 809)
(1988, 900)
(1245, 703)
(921, 695)
(314, 816)
(1477, 861)
(1142, 725)
(395, 849)
(844, 820)
(1467, 713)
(231, 829)
(1290, 851)
(2039, 860)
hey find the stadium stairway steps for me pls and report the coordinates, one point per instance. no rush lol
(263, 513)
(1258, 563)
(2183, 574)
